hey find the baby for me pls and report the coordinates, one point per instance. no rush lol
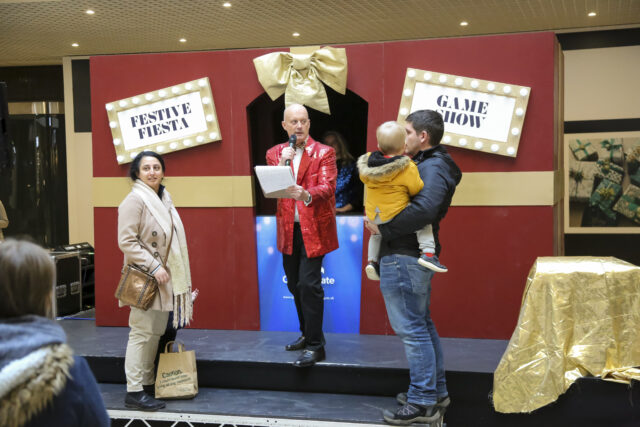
(390, 180)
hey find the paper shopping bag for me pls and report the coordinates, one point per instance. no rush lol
(177, 376)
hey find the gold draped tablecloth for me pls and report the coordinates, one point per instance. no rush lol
(580, 316)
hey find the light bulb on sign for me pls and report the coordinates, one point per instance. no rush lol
(427, 76)
(411, 73)
(494, 147)
(474, 84)
(478, 144)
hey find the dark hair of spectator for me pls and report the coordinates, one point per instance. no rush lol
(27, 274)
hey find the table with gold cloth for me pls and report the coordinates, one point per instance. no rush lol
(580, 316)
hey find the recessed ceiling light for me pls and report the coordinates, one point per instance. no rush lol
(464, 23)
(592, 14)
(75, 44)
(89, 12)
(226, 4)
(183, 40)
(296, 34)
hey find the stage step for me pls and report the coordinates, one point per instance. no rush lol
(260, 408)
(363, 370)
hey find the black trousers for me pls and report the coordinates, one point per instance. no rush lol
(304, 280)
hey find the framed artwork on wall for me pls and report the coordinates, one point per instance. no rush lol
(602, 183)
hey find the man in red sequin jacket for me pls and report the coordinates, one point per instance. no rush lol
(306, 227)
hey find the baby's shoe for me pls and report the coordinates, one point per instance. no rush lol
(432, 263)
(373, 270)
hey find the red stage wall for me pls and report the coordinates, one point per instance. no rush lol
(488, 250)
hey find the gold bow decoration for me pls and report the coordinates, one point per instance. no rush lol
(300, 76)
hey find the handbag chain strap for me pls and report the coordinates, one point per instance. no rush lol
(164, 264)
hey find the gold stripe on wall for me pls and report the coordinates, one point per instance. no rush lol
(475, 189)
(505, 189)
(186, 191)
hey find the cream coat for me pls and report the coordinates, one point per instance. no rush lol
(136, 222)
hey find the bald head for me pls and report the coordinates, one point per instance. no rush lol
(296, 122)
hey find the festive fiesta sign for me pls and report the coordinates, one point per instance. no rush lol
(164, 120)
(478, 114)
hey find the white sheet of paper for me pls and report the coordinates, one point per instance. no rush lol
(274, 180)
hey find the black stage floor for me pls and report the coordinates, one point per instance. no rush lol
(246, 378)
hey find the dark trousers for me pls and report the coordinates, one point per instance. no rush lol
(304, 280)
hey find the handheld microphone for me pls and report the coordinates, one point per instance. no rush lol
(292, 144)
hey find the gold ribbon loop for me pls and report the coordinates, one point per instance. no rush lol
(300, 77)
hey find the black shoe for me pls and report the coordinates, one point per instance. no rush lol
(141, 400)
(150, 389)
(411, 413)
(298, 344)
(442, 404)
(309, 358)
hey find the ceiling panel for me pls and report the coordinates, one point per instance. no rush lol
(41, 32)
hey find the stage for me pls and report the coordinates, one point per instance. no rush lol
(247, 379)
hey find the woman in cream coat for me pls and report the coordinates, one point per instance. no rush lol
(145, 220)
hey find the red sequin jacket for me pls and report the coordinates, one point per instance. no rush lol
(316, 174)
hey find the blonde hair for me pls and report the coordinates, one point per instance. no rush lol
(27, 274)
(391, 137)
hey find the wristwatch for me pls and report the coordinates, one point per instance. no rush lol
(308, 201)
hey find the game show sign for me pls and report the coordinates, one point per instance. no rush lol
(478, 114)
(164, 120)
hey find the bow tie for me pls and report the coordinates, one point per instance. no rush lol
(301, 145)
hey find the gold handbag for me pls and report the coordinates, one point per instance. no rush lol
(137, 288)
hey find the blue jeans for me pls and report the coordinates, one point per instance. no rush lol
(406, 288)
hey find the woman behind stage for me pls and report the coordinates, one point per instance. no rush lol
(41, 382)
(145, 219)
(348, 184)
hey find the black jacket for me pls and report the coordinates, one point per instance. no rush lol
(441, 176)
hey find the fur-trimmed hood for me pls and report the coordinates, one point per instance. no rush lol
(378, 168)
(34, 367)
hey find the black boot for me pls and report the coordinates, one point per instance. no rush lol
(141, 400)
